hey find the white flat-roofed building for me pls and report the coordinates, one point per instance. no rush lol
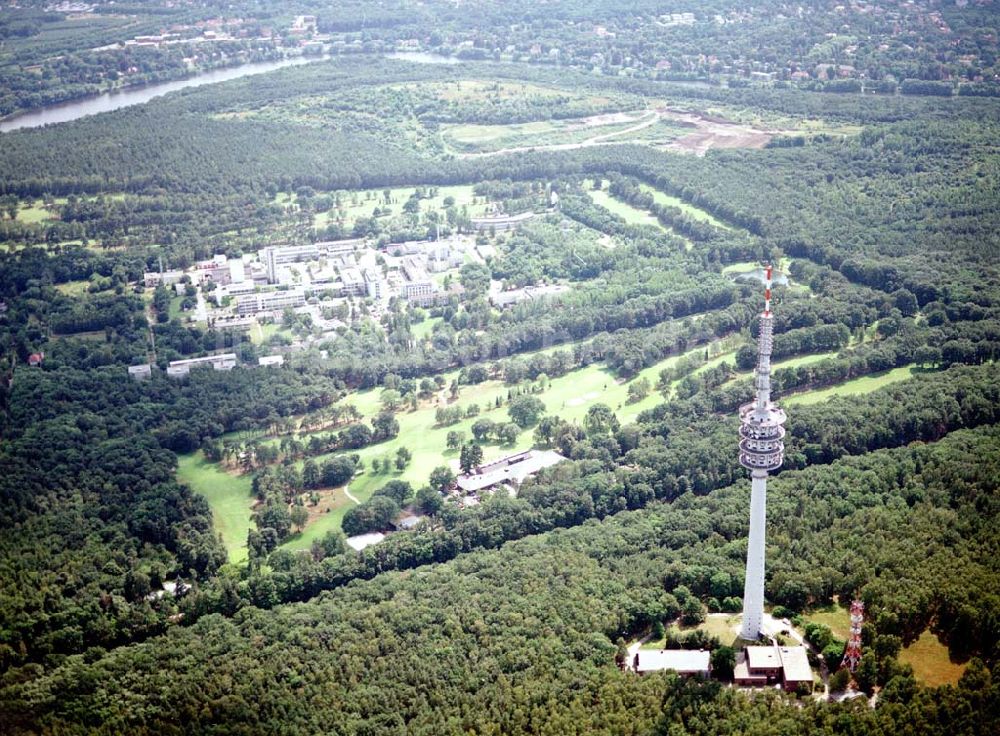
(223, 362)
(503, 299)
(243, 287)
(233, 323)
(270, 301)
(795, 667)
(765, 665)
(217, 270)
(167, 278)
(416, 290)
(140, 372)
(417, 283)
(361, 541)
(407, 248)
(442, 257)
(267, 360)
(501, 222)
(375, 286)
(686, 662)
(511, 469)
(237, 272)
(341, 247)
(272, 257)
(353, 283)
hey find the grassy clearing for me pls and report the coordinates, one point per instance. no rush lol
(229, 496)
(477, 90)
(478, 134)
(92, 335)
(423, 330)
(688, 209)
(73, 288)
(723, 626)
(932, 665)
(483, 138)
(175, 311)
(743, 266)
(836, 617)
(854, 387)
(568, 396)
(330, 513)
(36, 212)
(627, 212)
(801, 360)
(355, 204)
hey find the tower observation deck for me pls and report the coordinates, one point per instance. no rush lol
(762, 449)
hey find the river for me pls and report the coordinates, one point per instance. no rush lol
(73, 109)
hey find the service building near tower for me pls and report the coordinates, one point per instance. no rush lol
(758, 666)
(685, 662)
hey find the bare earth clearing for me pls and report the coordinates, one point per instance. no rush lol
(707, 132)
(714, 132)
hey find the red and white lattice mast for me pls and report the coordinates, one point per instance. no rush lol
(762, 449)
(852, 654)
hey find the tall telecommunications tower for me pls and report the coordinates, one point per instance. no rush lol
(762, 449)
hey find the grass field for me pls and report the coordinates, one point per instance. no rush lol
(477, 90)
(627, 212)
(175, 311)
(334, 509)
(932, 666)
(854, 387)
(688, 209)
(73, 288)
(362, 203)
(721, 625)
(229, 496)
(836, 617)
(423, 330)
(484, 138)
(568, 396)
(35, 213)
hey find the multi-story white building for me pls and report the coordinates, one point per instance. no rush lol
(223, 362)
(353, 283)
(167, 278)
(273, 257)
(375, 286)
(417, 283)
(501, 222)
(340, 247)
(140, 372)
(270, 301)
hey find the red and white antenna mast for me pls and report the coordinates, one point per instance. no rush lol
(852, 653)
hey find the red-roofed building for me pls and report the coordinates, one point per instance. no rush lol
(35, 359)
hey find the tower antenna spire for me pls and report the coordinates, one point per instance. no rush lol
(762, 449)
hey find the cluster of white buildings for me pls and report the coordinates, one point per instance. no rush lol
(507, 472)
(503, 299)
(281, 277)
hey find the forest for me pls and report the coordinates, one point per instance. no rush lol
(661, 160)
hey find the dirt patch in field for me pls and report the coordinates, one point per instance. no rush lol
(576, 401)
(711, 131)
(611, 118)
(329, 500)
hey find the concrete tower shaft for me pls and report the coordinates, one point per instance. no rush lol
(762, 449)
